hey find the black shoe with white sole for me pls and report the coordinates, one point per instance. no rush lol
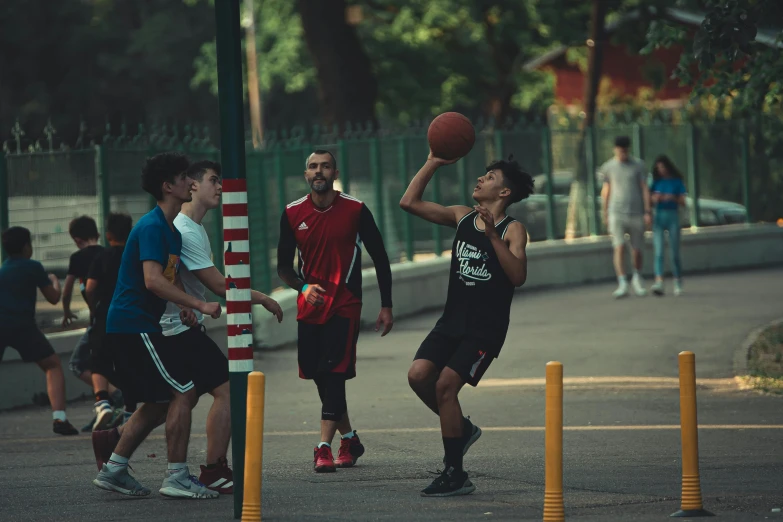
(449, 483)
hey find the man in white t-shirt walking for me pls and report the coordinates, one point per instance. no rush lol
(198, 273)
(626, 208)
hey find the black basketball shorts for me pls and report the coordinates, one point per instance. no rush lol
(469, 356)
(30, 342)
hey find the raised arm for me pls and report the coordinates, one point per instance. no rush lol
(435, 213)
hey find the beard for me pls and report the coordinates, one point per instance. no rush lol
(320, 188)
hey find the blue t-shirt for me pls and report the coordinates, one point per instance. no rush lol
(20, 279)
(134, 309)
(672, 186)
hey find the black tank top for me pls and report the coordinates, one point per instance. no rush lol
(480, 293)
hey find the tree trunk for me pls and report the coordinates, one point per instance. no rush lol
(347, 86)
(253, 91)
(576, 223)
(506, 58)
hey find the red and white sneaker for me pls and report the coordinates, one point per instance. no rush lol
(103, 444)
(323, 460)
(350, 451)
(220, 478)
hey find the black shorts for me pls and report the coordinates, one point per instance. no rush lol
(469, 356)
(329, 347)
(101, 352)
(150, 366)
(30, 342)
(209, 367)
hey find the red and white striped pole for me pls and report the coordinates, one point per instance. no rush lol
(236, 245)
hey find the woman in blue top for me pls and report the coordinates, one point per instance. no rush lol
(667, 194)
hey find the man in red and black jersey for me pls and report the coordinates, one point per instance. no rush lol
(328, 228)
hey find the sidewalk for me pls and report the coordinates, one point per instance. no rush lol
(622, 446)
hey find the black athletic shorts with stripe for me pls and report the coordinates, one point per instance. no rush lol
(149, 366)
(468, 355)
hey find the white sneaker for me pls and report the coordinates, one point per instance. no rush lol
(103, 416)
(622, 290)
(657, 288)
(677, 287)
(638, 289)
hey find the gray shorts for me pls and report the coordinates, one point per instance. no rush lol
(631, 224)
(80, 357)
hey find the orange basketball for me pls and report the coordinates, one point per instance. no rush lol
(451, 135)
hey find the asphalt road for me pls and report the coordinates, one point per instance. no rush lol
(621, 443)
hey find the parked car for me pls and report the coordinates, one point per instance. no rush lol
(533, 211)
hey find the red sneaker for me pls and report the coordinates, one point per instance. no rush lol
(103, 444)
(350, 451)
(323, 461)
(220, 478)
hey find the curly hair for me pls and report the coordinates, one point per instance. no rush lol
(514, 178)
(162, 168)
(673, 171)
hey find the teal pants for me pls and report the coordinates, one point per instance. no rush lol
(667, 219)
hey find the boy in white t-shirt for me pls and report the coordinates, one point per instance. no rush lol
(197, 274)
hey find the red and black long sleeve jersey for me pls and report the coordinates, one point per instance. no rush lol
(329, 246)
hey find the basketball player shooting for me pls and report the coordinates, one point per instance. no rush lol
(487, 262)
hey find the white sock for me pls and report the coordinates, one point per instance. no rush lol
(636, 275)
(324, 444)
(59, 415)
(116, 462)
(348, 435)
(622, 280)
(176, 467)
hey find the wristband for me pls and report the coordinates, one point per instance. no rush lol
(303, 288)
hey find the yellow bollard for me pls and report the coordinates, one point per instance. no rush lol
(554, 510)
(254, 447)
(691, 505)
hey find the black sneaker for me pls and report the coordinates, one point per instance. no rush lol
(450, 483)
(87, 428)
(64, 428)
(471, 435)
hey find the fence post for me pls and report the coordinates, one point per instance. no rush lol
(402, 166)
(498, 135)
(437, 235)
(280, 178)
(103, 185)
(217, 245)
(637, 140)
(546, 144)
(462, 179)
(592, 218)
(4, 199)
(693, 175)
(745, 166)
(377, 184)
(263, 233)
(345, 174)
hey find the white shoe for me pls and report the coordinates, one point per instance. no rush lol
(677, 287)
(657, 288)
(622, 290)
(103, 416)
(638, 289)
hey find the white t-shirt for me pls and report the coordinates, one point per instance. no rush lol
(196, 255)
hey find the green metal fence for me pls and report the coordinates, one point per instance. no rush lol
(733, 171)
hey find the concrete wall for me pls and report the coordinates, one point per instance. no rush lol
(422, 286)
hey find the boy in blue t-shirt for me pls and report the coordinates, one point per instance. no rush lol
(151, 369)
(20, 276)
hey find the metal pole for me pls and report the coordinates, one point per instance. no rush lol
(4, 198)
(437, 235)
(345, 174)
(377, 183)
(402, 158)
(745, 166)
(554, 509)
(693, 175)
(593, 218)
(546, 142)
(102, 178)
(239, 316)
(263, 233)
